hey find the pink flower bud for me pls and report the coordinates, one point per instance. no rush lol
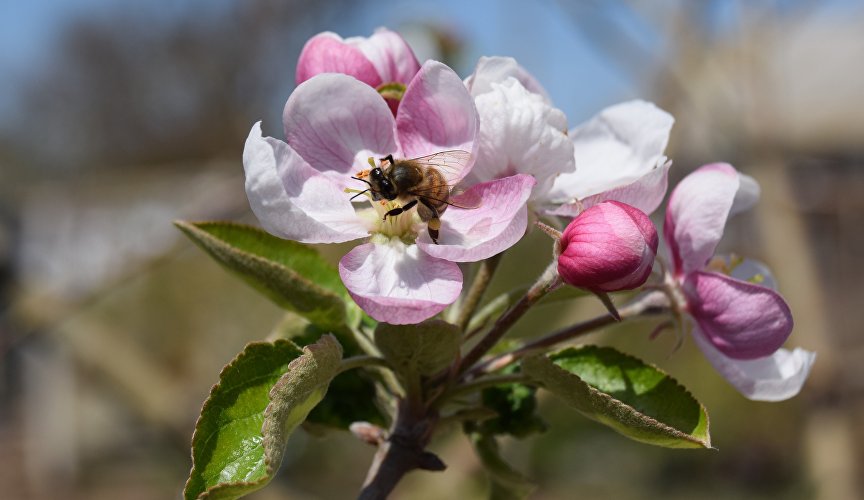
(608, 247)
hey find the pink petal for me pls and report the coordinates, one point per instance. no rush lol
(741, 320)
(520, 133)
(697, 213)
(645, 193)
(777, 377)
(496, 69)
(390, 54)
(336, 122)
(615, 148)
(498, 222)
(328, 53)
(437, 114)
(293, 200)
(397, 283)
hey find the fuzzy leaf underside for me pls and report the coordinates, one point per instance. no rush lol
(632, 397)
(261, 397)
(291, 274)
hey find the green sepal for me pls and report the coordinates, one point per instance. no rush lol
(632, 397)
(291, 274)
(261, 397)
(418, 350)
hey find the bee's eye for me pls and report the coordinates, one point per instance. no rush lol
(376, 173)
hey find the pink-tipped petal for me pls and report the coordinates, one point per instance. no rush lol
(615, 148)
(437, 114)
(328, 53)
(390, 54)
(697, 213)
(645, 193)
(777, 377)
(741, 320)
(335, 122)
(498, 222)
(498, 69)
(397, 283)
(607, 248)
(293, 200)
(520, 133)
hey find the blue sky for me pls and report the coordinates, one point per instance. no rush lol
(540, 35)
(535, 33)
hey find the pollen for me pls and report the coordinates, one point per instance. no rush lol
(363, 174)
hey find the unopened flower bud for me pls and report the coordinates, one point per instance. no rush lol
(608, 247)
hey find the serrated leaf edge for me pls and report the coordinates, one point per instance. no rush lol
(209, 402)
(620, 404)
(199, 232)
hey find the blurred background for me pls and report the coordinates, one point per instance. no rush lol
(118, 117)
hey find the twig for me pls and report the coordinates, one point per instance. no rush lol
(546, 283)
(647, 303)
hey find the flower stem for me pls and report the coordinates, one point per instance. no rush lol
(644, 304)
(478, 288)
(548, 281)
(361, 361)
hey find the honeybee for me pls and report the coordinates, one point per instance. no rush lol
(424, 182)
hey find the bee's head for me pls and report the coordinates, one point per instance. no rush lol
(381, 185)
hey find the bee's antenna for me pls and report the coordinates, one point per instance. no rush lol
(358, 194)
(362, 180)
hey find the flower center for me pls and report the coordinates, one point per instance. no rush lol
(404, 226)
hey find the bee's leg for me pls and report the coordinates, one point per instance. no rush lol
(398, 210)
(433, 226)
(388, 158)
(431, 215)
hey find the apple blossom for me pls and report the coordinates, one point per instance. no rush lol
(333, 125)
(739, 325)
(607, 248)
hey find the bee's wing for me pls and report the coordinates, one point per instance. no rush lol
(451, 164)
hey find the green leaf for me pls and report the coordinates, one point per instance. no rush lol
(351, 398)
(634, 398)
(422, 349)
(516, 409)
(291, 274)
(352, 395)
(261, 397)
(506, 483)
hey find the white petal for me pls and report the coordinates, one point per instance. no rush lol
(520, 134)
(747, 195)
(773, 378)
(696, 214)
(615, 148)
(497, 69)
(293, 200)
